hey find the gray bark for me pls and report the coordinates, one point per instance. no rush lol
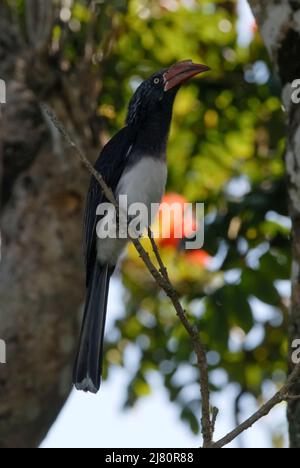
(42, 189)
(41, 288)
(279, 22)
(41, 271)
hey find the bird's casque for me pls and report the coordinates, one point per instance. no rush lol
(160, 90)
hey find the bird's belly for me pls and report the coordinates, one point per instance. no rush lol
(143, 183)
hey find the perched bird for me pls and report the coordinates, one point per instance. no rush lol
(133, 163)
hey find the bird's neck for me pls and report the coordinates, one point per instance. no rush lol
(152, 134)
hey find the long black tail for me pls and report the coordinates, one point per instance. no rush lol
(88, 365)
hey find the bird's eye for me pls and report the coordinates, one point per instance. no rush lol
(156, 81)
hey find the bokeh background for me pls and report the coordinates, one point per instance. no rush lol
(226, 150)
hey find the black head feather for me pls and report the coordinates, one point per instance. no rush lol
(150, 100)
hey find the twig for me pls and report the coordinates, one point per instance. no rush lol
(162, 279)
(215, 413)
(106, 190)
(279, 397)
(162, 267)
(292, 397)
(237, 413)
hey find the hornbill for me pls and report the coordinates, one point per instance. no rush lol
(133, 163)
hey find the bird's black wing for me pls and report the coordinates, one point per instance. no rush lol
(110, 164)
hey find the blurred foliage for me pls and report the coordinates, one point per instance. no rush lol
(226, 150)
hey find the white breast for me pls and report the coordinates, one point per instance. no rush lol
(144, 183)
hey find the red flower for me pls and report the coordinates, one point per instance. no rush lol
(198, 257)
(175, 221)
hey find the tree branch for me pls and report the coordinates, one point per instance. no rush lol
(163, 270)
(279, 397)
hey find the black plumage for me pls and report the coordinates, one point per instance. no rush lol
(145, 136)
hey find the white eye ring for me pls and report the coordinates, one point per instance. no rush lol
(156, 81)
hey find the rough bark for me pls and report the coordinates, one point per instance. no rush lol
(40, 294)
(279, 22)
(42, 190)
(41, 284)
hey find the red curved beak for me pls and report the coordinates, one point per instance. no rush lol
(181, 72)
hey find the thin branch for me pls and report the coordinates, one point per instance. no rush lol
(278, 398)
(215, 413)
(162, 267)
(106, 190)
(292, 397)
(237, 412)
(162, 279)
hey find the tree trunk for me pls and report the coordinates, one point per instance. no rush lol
(41, 281)
(279, 22)
(42, 190)
(41, 288)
